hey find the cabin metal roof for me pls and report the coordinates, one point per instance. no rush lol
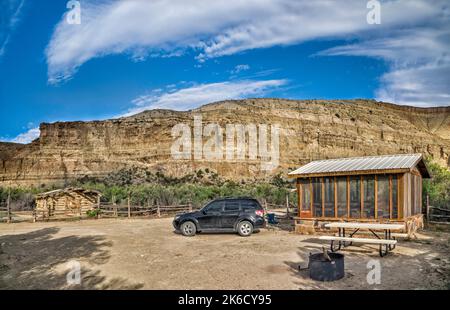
(363, 165)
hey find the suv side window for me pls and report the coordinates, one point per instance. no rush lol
(215, 206)
(231, 206)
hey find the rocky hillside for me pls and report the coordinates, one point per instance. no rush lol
(308, 129)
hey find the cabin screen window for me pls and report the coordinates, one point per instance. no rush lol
(328, 183)
(355, 197)
(317, 196)
(369, 197)
(394, 197)
(383, 197)
(341, 196)
(306, 195)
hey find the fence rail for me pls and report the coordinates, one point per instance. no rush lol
(111, 210)
(438, 215)
(104, 210)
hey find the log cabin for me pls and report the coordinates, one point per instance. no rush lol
(68, 201)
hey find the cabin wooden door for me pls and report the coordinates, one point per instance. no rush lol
(304, 195)
(306, 213)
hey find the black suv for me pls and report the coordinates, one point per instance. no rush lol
(241, 215)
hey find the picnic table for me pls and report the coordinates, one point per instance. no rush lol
(386, 244)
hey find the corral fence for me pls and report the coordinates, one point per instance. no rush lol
(438, 215)
(113, 210)
(104, 210)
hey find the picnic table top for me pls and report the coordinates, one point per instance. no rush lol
(365, 225)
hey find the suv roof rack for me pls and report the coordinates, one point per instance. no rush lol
(237, 197)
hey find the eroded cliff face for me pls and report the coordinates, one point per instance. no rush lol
(308, 130)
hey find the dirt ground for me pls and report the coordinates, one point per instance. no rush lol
(148, 254)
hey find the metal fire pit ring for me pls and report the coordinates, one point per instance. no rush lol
(322, 269)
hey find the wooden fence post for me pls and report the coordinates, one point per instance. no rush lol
(428, 208)
(129, 207)
(98, 208)
(287, 205)
(8, 206)
(34, 214)
(190, 207)
(158, 211)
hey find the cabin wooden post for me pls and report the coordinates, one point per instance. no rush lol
(348, 197)
(322, 185)
(390, 197)
(335, 198)
(361, 198)
(376, 197)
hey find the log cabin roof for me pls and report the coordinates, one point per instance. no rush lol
(363, 165)
(69, 191)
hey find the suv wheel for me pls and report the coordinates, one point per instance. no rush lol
(245, 228)
(188, 229)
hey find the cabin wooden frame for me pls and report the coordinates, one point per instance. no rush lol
(373, 188)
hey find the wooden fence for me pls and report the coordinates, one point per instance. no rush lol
(113, 210)
(105, 210)
(438, 215)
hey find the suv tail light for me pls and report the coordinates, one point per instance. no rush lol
(259, 212)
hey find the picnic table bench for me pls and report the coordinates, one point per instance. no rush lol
(386, 244)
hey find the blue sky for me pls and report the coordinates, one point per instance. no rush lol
(128, 56)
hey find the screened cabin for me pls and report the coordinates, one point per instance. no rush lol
(371, 188)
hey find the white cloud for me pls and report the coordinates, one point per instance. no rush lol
(223, 27)
(25, 137)
(240, 68)
(197, 95)
(426, 86)
(215, 28)
(11, 11)
(419, 63)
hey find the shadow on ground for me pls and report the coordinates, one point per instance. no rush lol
(38, 260)
(420, 264)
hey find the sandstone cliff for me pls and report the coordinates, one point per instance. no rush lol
(309, 129)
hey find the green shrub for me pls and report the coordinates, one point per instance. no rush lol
(438, 187)
(146, 188)
(93, 213)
